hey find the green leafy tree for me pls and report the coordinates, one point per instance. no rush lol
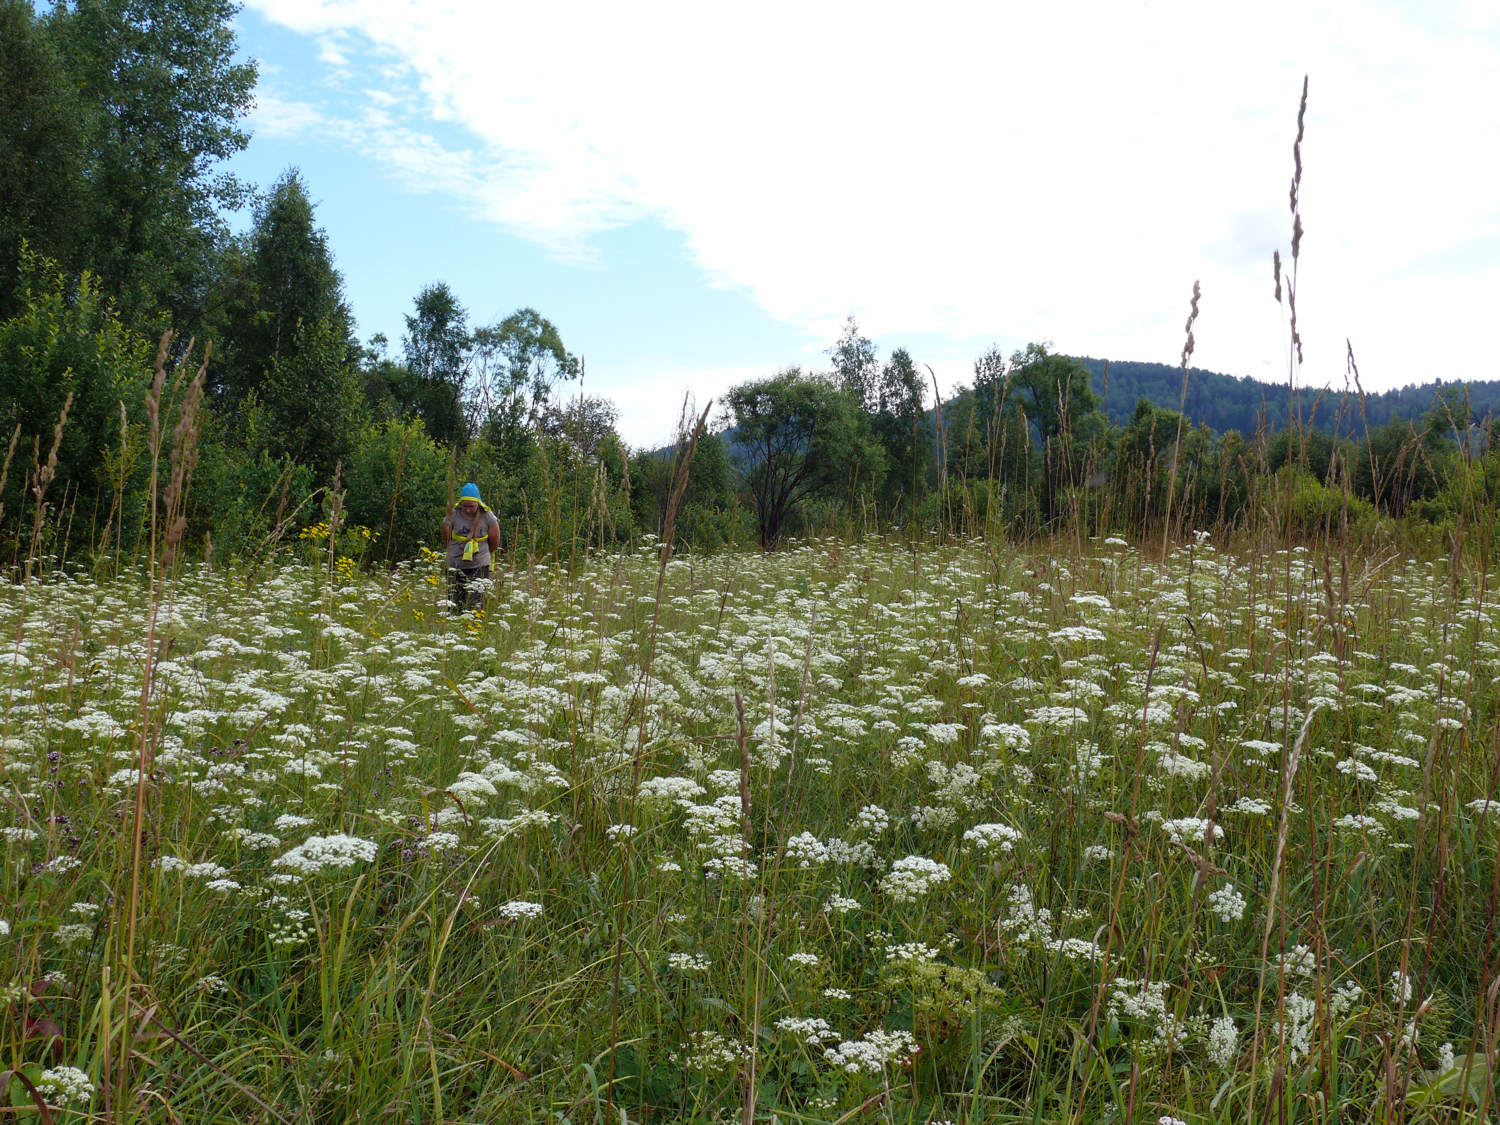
(518, 364)
(314, 404)
(164, 98)
(42, 148)
(1315, 450)
(437, 343)
(288, 294)
(68, 339)
(397, 480)
(987, 436)
(856, 367)
(1404, 462)
(705, 518)
(802, 437)
(904, 429)
(1054, 392)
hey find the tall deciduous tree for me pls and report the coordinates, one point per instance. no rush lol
(803, 437)
(164, 99)
(856, 367)
(1055, 393)
(437, 346)
(904, 429)
(42, 146)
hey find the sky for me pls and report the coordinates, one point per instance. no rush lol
(697, 194)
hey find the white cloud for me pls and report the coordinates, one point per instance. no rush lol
(275, 116)
(1057, 171)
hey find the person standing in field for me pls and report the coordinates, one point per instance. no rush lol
(470, 532)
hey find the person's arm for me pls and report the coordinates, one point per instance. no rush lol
(494, 535)
(447, 532)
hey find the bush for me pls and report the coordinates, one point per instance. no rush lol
(396, 484)
(1301, 504)
(241, 497)
(67, 339)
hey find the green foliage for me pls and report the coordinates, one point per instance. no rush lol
(803, 438)
(287, 297)
(162, 98)
(1308, 507)
(248, 501)
(67, 339)
(42, 149)
(1398, 466)
(314, 408)
(904, 430)
(707, 517)
(1315, 450)
(396, 483)
(437, 345)
(856, 366)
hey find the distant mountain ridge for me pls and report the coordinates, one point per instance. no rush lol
(1229, 402)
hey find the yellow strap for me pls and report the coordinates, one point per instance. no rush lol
(471, 542)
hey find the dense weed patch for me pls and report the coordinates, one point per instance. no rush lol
(843, 833)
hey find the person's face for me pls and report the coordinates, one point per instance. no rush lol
(470, 508)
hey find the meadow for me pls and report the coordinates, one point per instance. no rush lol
(948, 832)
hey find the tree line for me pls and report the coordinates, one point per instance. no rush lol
(118, 117)
(1228, 402)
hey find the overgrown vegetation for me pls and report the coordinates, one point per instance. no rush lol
(862, 757)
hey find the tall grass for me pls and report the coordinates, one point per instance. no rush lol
(1042, 835)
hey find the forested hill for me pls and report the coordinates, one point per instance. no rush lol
(1228, 402)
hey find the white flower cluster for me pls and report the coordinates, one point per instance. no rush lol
(933, 818)
(1251, 806)
(1023, 921)
(1143, 1000)
(688, 962)
(1401, 990)
(861, 853)
(1012, 736)
(1190, 829)
(1227, 903)
(873, 819)
(1299, 960)
(1296, 1022)
(811, 1031)
(320, 853)
(873, 1052)
(680, 791)
(913, 877)
(1223, 1043)
(505, 828)
(806, 850)
(70, 935)
(65, 1085)
(519, 908)
(837, 904)
(472, 788)
(710, 1051)
(911, 951)
(993, 837)
(1076, 634)
(802, 960)
(254, 841)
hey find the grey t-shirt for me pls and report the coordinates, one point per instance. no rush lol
(462, 528)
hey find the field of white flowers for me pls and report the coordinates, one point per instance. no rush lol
(964, 833)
